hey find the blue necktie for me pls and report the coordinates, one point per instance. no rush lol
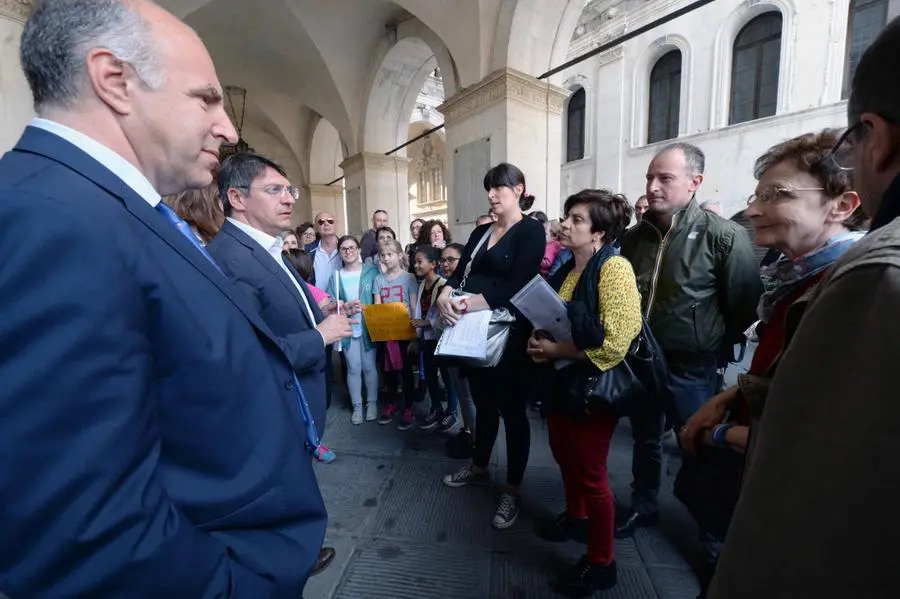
(312, 436)
(185, 229)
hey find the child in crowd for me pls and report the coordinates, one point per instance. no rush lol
(459, 446)
(426, 268)
(382, 235)
(395, 285)
(357, 287)
(303, 264)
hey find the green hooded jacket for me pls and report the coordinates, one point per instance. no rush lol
(699, 281)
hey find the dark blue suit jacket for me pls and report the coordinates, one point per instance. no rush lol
(151, 441)
(271, 291)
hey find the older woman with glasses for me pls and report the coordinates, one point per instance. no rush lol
(805, 208)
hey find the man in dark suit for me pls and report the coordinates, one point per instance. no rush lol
(258, 200)
(155, 441)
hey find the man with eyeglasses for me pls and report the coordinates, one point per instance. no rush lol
(817, 511)
(324, 252)
(258, 201)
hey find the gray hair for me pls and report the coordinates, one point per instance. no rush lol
(59, 34)
(693, 156)
(238, 171)
(875, 86)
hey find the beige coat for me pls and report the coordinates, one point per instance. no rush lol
(817, 516)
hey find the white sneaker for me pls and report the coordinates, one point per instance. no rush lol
(372, 412)
(357, 417)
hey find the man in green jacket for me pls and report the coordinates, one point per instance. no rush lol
(700, 285)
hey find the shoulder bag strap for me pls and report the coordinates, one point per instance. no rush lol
(468, 269)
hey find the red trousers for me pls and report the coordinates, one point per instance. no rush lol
(580, 446)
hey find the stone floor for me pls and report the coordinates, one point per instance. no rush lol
(401, 534)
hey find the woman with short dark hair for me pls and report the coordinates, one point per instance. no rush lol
(600, 286)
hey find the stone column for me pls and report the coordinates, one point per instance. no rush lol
(16, 107)
(325, 198)
(377, 182)
(506, 117)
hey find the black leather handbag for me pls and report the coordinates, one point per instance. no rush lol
(628, 388)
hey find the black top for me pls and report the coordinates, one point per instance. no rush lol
(500, 272)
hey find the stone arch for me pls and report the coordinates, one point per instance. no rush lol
(533, 36)
(724, 45)
(392, 94)
(326, 153)
(641, 85)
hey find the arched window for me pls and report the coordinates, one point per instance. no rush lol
(575, 126)
(867, 19)
(754, 69)
(665, 97)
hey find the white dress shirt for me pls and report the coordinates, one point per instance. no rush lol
(273, 246)
(120, 167)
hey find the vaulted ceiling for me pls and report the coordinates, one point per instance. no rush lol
(304, 60)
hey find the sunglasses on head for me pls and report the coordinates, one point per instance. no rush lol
(322, 221)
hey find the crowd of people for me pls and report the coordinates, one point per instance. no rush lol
(166, 378)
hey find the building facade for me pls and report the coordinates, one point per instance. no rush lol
(733, 77)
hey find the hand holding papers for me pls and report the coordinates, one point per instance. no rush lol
(543, 307)
(539, 303)
(467, 338)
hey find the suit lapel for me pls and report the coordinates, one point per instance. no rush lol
(267, 261)
(44, 143)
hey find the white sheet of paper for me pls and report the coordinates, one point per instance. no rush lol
(467, 338)
(540, 304)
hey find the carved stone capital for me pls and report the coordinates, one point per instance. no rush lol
(18, 10)
(502, 86)
(373, 161)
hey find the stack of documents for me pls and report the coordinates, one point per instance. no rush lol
(540, 304)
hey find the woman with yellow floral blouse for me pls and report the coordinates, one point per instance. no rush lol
(602, 292)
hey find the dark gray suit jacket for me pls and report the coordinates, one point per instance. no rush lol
(254, 271)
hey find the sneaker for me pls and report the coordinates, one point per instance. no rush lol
(388, 414)
(407, 419)
(448, 422)
(586, 578)
(324, 455)
(507, 512)
(564, 528)
(460, 446)
(434, 418)
(357, 417)
(371, 412)
(466, 477)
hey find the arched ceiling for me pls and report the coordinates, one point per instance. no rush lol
(324, 57)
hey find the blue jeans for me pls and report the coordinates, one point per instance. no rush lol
(691, 384)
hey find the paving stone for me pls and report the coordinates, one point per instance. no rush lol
(350, 506)
(656, 550)
(384, 569)
(674, 583)
(402, 534)
(514, 576)
(325, 584)
(420, 507)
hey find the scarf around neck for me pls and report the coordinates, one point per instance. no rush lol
(784, 276)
